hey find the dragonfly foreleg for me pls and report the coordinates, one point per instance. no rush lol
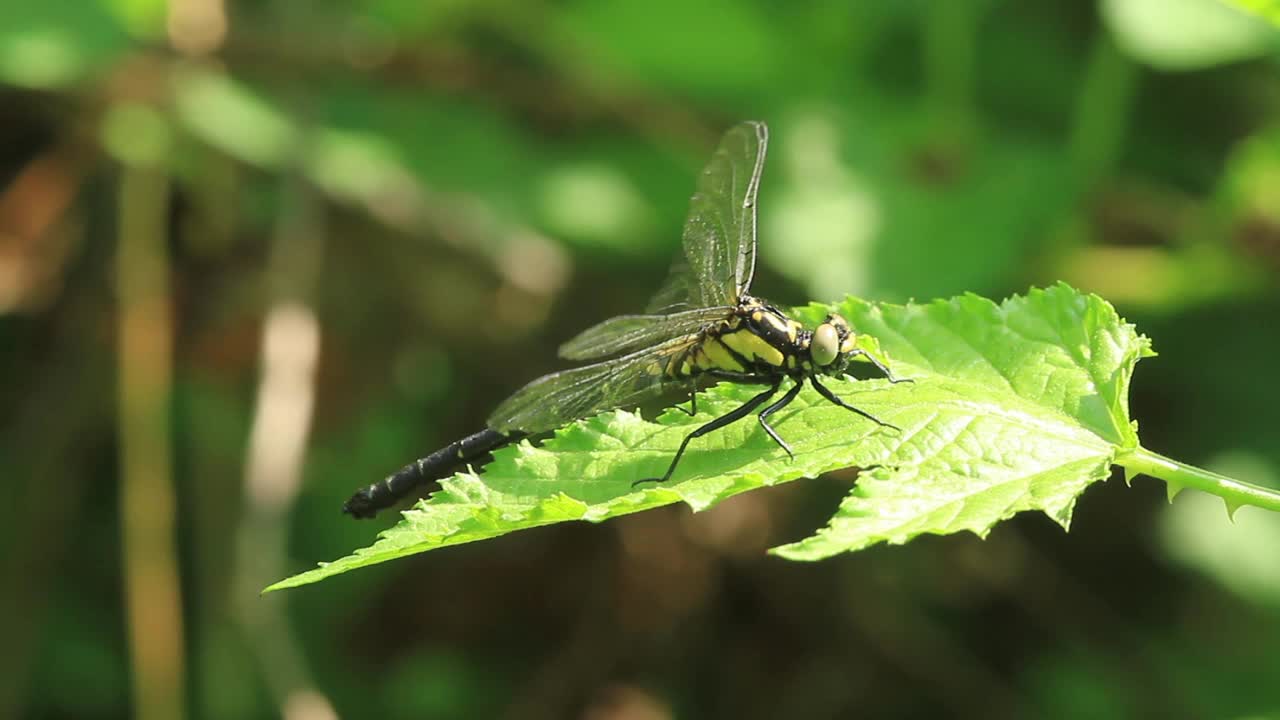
(884, 369)
(836, 400)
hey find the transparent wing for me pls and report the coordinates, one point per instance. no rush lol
(719, 253)
(558, 399)
(629, 333)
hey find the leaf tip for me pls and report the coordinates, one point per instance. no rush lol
(1145, 348)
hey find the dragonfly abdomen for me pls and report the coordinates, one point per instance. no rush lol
(367, 502)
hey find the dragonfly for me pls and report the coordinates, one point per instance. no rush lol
(702, 326)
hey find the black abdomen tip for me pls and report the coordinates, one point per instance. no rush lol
(361, 505)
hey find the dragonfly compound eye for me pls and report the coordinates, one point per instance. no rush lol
(825, 345)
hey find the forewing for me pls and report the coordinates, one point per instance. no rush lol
(558, 399)
(719, 249)
(629, 333)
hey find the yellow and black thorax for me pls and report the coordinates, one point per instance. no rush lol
(758, 339)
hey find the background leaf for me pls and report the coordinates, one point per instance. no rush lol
(1188, 34)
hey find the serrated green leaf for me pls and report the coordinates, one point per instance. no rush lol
(1015, 406)
(1039, 408)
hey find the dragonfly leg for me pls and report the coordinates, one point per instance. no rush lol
(728, 418)
(693, 397)
(738, 377)
(693, 404)
(888, 374)
(782, 402)
(720, 375)
(836, 400)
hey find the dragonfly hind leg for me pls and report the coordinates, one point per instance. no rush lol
(727, 419)
(693, 399)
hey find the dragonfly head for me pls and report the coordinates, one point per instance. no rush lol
(831, 344)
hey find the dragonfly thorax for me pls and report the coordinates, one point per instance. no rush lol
(757, 338)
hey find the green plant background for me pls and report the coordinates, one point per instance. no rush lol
(449, 190)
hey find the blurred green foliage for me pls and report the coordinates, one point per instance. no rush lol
(451, 189)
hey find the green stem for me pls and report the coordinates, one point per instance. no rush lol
(1234, 493)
